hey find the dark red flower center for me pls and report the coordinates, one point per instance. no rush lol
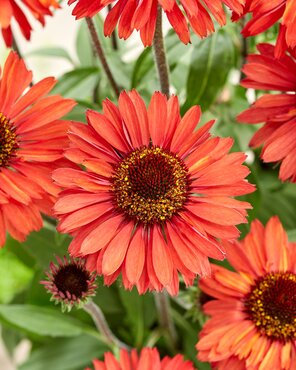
(271, 305)
(72, 279)
(8, 142)
(150, 185)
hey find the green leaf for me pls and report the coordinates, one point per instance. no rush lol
(211, 62)
(40, 247)
(140, 313)
(65, 354)
(143, 66)
(52, 52)
(14, 276)
(280, 202)
(41, 321)
(84, 48)
(292, 235)
(77, 84)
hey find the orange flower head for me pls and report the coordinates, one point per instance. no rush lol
(10, 10)
(277, 111)
(267, 13)
(252, 323)
(148, 359)
(138, 15)
(155, 194)
(32, 138)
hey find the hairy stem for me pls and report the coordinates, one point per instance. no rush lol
(100, 53)
(101, 324)
(165, 319)
(160, 55)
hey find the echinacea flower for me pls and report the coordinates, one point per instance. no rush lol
(11, 10)
(32, 138)
(252, 323)
(267, 13)
(138, 15)
(277, 111)
(148, 359)
(70, 283)
(155, 194)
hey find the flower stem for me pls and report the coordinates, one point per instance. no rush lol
(100, 53)
(101, 323)
(165, 319)
(160, 55)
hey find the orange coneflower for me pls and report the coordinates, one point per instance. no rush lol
(32, 138)
(11, 9)
(253, 315)
(139, 15)
(267, 13)
(148, 359)
(278, 111)
(155, 194)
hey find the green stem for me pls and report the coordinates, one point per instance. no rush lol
(160, 55)
(102, 325)
(165, 319)
(101, 55)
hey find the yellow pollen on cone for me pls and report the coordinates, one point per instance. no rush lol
(8, 140)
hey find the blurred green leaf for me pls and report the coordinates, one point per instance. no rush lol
(292, 235)
(43, 246)
(52, 52)
(41, 321)
(108, 299)
(140, 313)
(211, 61)
(84, 48)
(144, 64)
(14, 276)
(280, 202)
(78, 83)
(65, 354)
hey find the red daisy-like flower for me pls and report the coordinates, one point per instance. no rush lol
(148, 359)
(139, 15)
(253, 315)
(267, 13)
(278, 111)
(155, 194)
(10, 10)
(32, 138)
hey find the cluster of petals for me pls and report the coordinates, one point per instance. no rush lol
(138, 15)
(265, 14)
(232, 338)
(112, 236)
(32, 138)
(278, 111)
(148, 359)
(11, 10)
